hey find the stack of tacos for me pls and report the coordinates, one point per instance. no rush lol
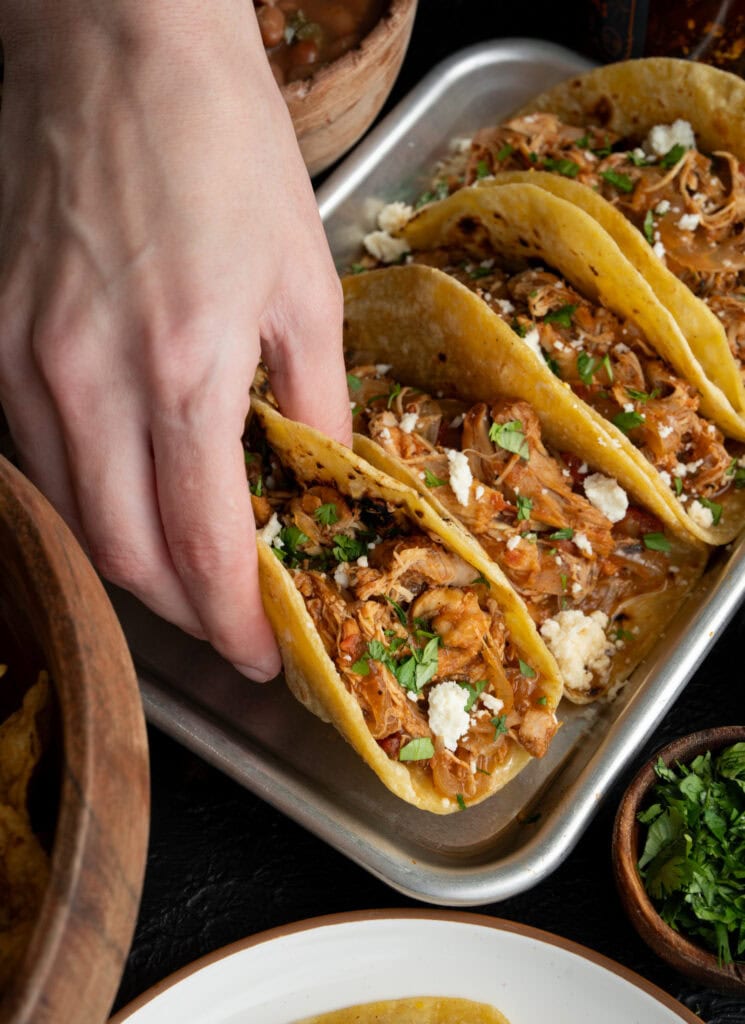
(549, 433)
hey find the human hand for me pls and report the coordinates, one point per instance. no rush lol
(158, 233)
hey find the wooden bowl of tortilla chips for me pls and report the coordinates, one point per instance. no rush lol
(74, 791)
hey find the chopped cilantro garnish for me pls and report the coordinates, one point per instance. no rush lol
(431, 480)
(524, 507)
(623, 634)
(607, 366)
(361, 667)
(584, 142)
(564, 166)
(533, 157)
(542, 701)
(671, 158)
(419, 749)
(440, 191)
(714, 508)
(519, 329)
(394, 392)
(620, 181)
(649, 227)
(461, 801)
(258, 488)
(500, 725)
(636, 160)
(474, 691)
(566, 533)
(526, 670)
(292, 538)
(505, 151)
(552, 364)
(482, 169)
(656, 542)
(562, 316)
(401, 614)
(586, 367)
(347, 549)
(678, 484)
(736, 471)
(642, 396)
(355, 383)
(563, 579)
(476, 272)
(511, 437)
(480, 580)
(605, 149)
(326, 514)
(626, 421)
(358, 268)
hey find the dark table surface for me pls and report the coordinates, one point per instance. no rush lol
(223, 864)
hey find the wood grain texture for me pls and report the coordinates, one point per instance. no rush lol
(685, 956)
(332, 110)
(49, 591)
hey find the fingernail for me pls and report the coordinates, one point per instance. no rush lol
(257, 673)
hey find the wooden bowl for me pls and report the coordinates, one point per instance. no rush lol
(53, 606)
(681, 953)
(333, 108)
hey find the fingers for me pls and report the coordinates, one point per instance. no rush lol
(206, 513)
(302, 348)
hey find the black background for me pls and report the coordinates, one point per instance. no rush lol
(223, 865)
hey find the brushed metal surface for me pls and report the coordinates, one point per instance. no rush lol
(262, 738)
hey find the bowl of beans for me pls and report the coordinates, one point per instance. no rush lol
(336, 62)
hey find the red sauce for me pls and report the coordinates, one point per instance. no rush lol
(301, 36)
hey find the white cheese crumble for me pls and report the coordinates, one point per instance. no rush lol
(448, 717)
(579, 644)
(659, 250)
(341, 576)
(513, 542)
(461, 477)
(270, 533)
(505, 306)
(479, 493)
(408, 421)
(384, 434)
(533, 340)
(362, 562)
(384, 247)
(607, 496)
(700, 514)
(382, 369)
(493, 703)
(663, 137)
(460, 145)
(583, 543)
(665, 430)
(394, 216)
(662, 207)
(689, 222)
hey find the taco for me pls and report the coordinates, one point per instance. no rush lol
(392, 623)
(597, 569)
(653, 149)
(554, 278)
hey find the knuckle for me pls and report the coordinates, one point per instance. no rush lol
(122, 566)
(199, 557)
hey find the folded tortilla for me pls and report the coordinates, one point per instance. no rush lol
(673, 428)
(448, 401)
(661, 201)
(392, 623)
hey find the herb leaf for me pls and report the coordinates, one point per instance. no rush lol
(511, 437)
(431, 480)
(562, 316)
(656, 542)
(419, 749)
(626, 421)
(326, 514)
(620, 181)
(671, 158)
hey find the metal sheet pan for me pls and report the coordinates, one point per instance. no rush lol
(261, 737)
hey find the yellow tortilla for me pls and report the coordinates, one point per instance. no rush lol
(418, 1010)
(630, 98)
(310, 672)
(519, 221)
(410, 317)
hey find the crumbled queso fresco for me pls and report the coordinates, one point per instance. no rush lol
(382, 244)
(700, 514)
(461, 477)
(663, 137)
(448, 717)
(579, 644)
(607, 496)
(271, 531)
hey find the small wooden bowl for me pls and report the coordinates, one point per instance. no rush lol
(682, 954)
(53, 606)
(333, 108)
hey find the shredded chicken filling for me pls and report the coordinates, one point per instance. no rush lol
(608, 363)
(690, 206)
(525, 503)
(400, 615)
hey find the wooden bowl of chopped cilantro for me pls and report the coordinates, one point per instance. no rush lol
(679, 855)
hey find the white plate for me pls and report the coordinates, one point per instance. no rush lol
(331, 962)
